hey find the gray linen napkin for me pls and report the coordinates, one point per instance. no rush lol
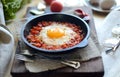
(6, 52)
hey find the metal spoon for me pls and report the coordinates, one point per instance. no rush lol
(114, 48)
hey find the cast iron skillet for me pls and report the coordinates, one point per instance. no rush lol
(56, 17)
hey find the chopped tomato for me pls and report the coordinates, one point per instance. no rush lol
(34, 32)
(37, 44)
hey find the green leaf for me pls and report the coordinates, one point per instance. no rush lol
(11, 7)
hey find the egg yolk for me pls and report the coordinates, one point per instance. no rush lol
(55, 33)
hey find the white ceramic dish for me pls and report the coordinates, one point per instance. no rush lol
(95, 8)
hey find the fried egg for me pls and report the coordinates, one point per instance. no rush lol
(56, 34)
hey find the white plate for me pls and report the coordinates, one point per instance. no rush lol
(96, 8)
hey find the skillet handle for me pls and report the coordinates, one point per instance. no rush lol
(82, 44)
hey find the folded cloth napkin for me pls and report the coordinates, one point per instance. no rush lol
(111, 62)
(6, 51)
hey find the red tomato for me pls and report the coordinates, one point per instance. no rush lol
(56, 6)
(37, 44)
(30, 36)
(37, 28)
(48, 2)
(34, 32)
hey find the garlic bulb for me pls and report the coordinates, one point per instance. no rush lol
(110, 42)
(107, 4)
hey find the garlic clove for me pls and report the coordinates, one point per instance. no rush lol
(36, 12)
(41, 6)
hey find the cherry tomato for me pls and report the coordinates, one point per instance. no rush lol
(56, 6)
(48, 2)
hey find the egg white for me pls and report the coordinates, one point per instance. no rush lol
(69, 34)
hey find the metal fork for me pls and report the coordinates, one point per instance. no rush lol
(25, 55)
(29, 58)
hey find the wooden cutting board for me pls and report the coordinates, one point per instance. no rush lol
(93, 65)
